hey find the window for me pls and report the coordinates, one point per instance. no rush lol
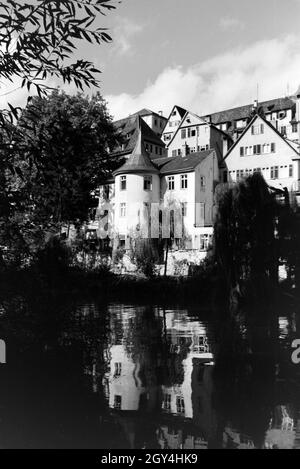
(183, 133)
(258, 129)
(239, 174)
(180, 405)
(291, 171)
(202, 183)
(118, 402)
(184, 181)
(294, 128)
(155, 122)
(193, 149)
(147, 183)
(283, 130)
(274, 172)
(184, 209)
(191, 132)
(266, 148)
(123, 183)
(156, 150)
(205, 242)
(249, 151)
(122, 210)
(166, 404)
(257, 150)
(174, 153)
(118, 369)
(171, 183)
(160, 151)
(225, 176)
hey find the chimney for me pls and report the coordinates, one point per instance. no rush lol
(161, 113)
(255, 105)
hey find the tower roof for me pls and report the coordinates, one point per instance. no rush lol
(139, 160)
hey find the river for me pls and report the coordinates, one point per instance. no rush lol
(94, 375)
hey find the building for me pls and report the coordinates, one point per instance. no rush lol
(282, 113)
(173, 122)
(151, 125)
(145, 190)
(262, 148)
(193, 134)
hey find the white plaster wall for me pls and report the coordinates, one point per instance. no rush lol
(134, 197)
(283, 157)
(128, 384)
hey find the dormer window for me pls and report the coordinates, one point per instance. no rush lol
(147, 183)
(123, 184)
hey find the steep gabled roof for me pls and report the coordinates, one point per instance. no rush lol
(243, 112)
(182, 164)
(182, 113)
(139, 161)
(130, 127)
(247, 129)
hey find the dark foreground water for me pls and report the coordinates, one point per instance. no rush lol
(121, 376)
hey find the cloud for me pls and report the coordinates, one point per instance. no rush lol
(221, 82)
(125, 32)
(229, 23)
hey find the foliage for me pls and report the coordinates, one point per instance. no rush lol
(39, 37)
(145, 256)
(245, 246)
(64, 154)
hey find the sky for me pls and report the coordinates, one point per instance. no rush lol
(203, 55)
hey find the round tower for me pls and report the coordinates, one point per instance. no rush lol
(137, 186)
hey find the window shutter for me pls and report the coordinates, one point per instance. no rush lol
(273, 147)
(254, 150)
(242, 151)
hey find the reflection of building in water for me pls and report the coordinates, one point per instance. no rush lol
(281, 434)
(185, 398)
(192, 399)
(125, 386)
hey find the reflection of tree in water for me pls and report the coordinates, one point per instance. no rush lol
(148, 345)
(46, 399)
(249, 383)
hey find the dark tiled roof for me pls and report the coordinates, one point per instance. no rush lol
(182, 164)
(181, 111)
(130, 127)
(139, 161)
(243, 112)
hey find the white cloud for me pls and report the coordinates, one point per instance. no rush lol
(229, 23)
(124, 34)
(221, 82)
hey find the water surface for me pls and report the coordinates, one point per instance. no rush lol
(120, 376)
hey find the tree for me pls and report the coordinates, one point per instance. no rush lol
(39, 37)
(245, 245)
(64, 145)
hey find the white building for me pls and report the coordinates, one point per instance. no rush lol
(145, 193)
(261, 148)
